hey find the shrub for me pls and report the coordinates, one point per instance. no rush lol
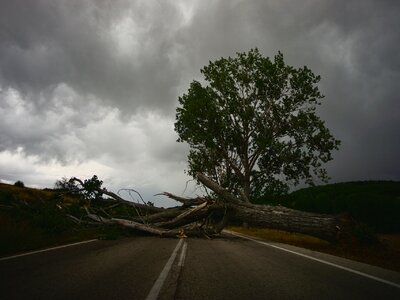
(365, 234)
(19, 183)
(47, 216)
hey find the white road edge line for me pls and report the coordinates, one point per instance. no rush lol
(155, 290)
(316, 259)
(47, 249)
(183, 255)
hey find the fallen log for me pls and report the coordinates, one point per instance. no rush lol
(205, 215)
(327, 227)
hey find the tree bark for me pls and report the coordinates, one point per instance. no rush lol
(327, 227)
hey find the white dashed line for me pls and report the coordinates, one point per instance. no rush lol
(183, 255)
(155, 290)
(45, 250)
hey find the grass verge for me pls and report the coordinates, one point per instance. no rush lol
(385, 253)
(32, 219)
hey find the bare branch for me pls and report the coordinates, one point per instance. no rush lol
(185, 201)
(186, 217)
(220, 191)
(120, 199)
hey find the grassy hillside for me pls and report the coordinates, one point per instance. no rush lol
(375, 203)
(33, 218)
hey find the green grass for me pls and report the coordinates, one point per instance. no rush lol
(32, 219)
(374, 203)
(385, 253)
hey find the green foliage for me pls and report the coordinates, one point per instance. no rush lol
(254, 127)
(6, 197)
(89, 189)
(365, 234)
(33, 218)
(19, 183)
(48, 216)
(65, 184)
(374, 203)
(40, 209)
(75, 209)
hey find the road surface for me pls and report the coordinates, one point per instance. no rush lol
(157, 268)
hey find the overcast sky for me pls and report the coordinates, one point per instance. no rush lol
(91, 86)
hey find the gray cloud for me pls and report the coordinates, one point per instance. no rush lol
(120, 52)
(99, 80)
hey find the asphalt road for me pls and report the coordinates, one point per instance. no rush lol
(155, 268)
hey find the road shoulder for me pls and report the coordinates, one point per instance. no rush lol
(378, 272)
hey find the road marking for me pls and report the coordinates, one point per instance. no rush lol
(45, 250)
(155, 290)
(316, 259)
(183, 255)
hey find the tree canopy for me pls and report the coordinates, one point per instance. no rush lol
(89, 189)
(252, 125)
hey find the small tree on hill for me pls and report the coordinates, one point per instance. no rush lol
(65, 184)
(253, 128)
(19, 183)
(89, 189)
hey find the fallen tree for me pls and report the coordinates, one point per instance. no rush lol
(207, 216)
(253, 131)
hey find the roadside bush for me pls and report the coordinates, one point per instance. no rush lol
(19, 183)
(365, 234)
(48, 217)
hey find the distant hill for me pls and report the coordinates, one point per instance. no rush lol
(375, 203)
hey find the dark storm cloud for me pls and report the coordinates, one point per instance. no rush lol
(100, 65)
(44, 43)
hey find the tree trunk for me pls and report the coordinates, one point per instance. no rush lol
(326, 227)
